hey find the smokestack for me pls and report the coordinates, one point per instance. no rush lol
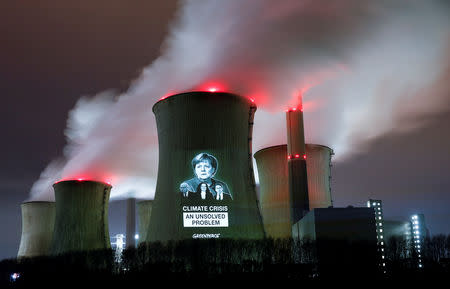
(298, 183)
(205, 186)
(81, 221)
(38, 219)
(131, 223)
(144, 209)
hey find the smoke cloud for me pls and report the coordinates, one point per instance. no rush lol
(364, 68)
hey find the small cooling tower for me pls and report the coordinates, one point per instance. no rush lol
(205, 186)
(81, 222)
(38, 219)
(144, 210)
(274, 185)
(318, 163)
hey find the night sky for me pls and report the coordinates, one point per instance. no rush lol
(54, 52)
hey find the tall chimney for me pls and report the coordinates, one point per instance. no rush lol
(296, 149)
(131, 222)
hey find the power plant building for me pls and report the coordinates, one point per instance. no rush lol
(205, 186)
(38, 219)
(344, 237)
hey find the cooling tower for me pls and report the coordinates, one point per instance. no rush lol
(274, 191)
(318, 164)
(144, 209)
(81, 222)
(205, 186)
(38, 219)
(273, 175)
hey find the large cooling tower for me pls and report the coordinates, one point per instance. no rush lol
(81, 222)
(274, 185)
(144, 210)
(205, 186)
(38, 219)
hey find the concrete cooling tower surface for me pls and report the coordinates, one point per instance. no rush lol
(81, 222)
(144, 210)
(205, 186)
(38, 219)
(274, 185)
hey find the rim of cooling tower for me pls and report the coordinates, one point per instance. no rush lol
(205, 93)
(81, 181)
(281, 145)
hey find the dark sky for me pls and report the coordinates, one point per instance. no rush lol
(53, 52)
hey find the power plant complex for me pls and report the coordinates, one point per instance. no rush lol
(206, 186)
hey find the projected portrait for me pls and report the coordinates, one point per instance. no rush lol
(203, 186)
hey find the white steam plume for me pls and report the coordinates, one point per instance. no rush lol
(360, 65)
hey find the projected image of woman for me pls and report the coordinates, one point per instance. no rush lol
(205, 167)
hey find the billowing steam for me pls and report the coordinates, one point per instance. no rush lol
(361, 66)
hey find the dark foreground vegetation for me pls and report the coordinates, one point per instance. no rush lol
(194, 261)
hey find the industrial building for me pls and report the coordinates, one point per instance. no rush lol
(345, 238)
(409, 235)
(206, 189)
(419, 232)
(380, 229)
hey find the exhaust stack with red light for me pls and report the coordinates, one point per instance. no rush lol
(298, 184)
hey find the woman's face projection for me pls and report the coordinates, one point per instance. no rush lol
(204, 170)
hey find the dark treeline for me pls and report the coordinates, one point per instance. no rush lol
(402, 259)
(226, 259)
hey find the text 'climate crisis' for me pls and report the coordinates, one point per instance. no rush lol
(205, 208)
